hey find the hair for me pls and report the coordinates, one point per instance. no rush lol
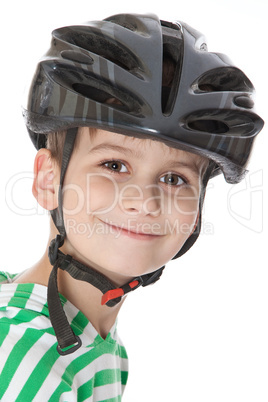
(55, 143)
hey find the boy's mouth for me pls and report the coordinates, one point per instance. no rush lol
(131, 232)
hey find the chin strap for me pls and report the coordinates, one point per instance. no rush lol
(68, 342)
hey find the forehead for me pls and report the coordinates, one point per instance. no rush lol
(141, 148)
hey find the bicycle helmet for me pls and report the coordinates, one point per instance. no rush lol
(207, 109)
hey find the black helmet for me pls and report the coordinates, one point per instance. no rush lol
(207, 107)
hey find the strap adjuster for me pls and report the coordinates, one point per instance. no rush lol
(68, 350)
(53, 249)
(119, 292)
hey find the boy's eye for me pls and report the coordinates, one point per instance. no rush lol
(116, 166)
(172, 179)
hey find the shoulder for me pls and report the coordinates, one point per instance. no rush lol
(30, 366)
(6, 277)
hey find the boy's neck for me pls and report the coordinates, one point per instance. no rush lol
(87, 299)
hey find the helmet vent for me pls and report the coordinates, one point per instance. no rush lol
(244, 101)
(76, 57)
(124, 20)
(168, 73)
(96, 44)
(223, 79)
(112, 100)
(209, 126)
(171, 67)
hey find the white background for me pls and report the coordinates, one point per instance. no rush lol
(200, 334)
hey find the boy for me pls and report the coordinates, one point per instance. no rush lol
(132, 116)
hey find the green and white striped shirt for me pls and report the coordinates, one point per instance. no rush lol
(31, 368)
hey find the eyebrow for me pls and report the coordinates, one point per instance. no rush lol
(192, 166)
(135, 153)
(118, 148)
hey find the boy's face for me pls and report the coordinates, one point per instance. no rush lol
(129, 204)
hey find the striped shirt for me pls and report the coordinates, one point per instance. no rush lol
(31, 368)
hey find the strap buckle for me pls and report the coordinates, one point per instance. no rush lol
(53, 249)
(70, 349)
(119, 292)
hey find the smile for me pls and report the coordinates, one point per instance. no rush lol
(132, 233)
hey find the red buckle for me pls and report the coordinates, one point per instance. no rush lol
(119, 292)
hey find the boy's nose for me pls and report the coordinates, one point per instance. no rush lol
(138, 200)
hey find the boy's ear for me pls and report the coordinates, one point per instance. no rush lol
(46, 180)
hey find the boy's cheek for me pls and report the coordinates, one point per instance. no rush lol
(93, 194)
(186, 207)
(73, 199)
(186, 202)
(101, 196)
(180, 228)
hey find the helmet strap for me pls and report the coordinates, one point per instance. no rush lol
(57, 214)
(68, 342)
